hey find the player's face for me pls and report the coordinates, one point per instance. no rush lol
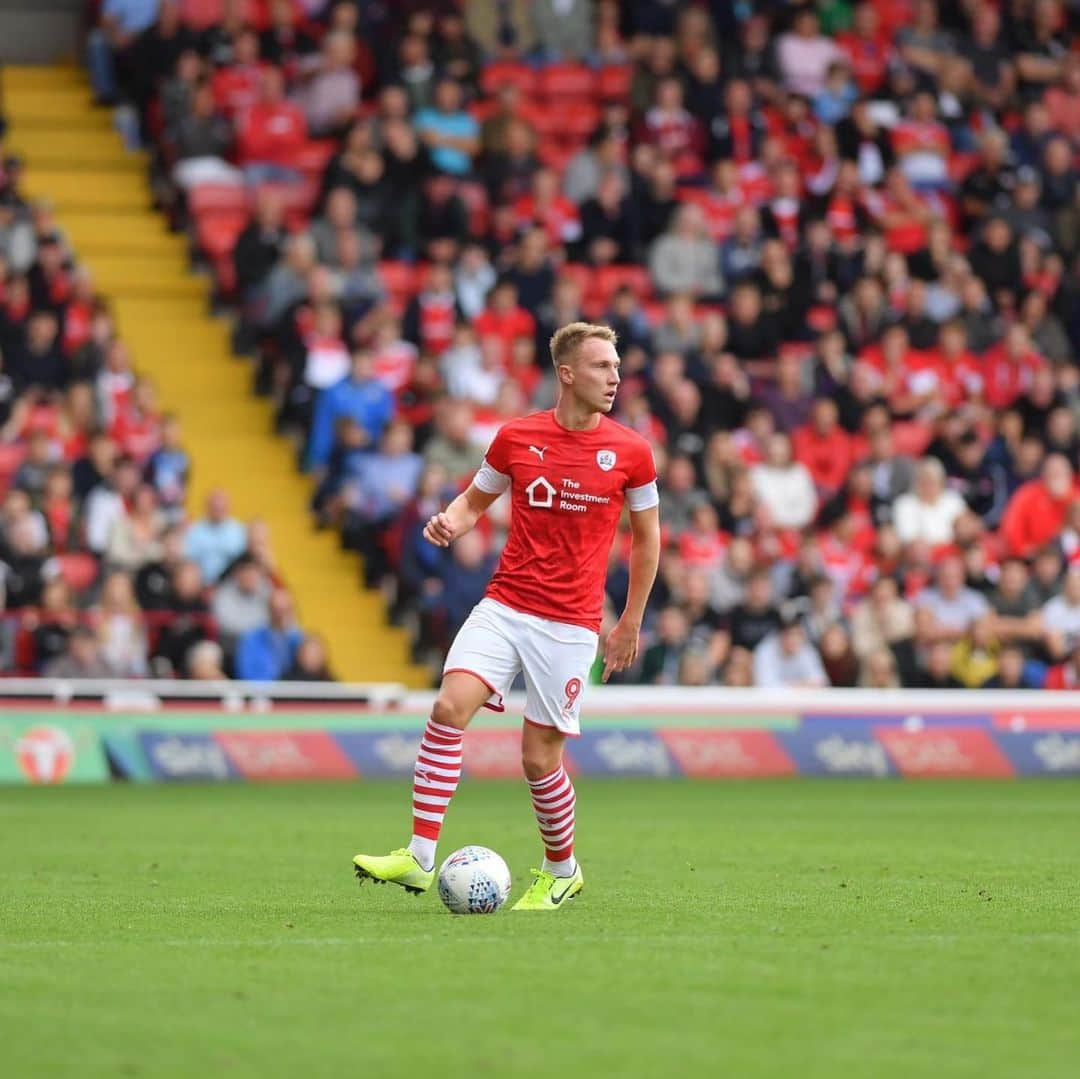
(596, 374)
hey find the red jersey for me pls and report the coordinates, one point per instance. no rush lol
(567, 490)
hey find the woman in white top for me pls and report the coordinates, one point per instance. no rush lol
(783, 486)
(929, 512)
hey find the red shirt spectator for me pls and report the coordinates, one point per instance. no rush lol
(673, 130)
(824, 447)
(867, 48)
(1008, 368)
(547, 208)
(273, 130)
(1036, 514)
(502, 322)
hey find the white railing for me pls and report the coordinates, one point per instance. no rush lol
(133, 693)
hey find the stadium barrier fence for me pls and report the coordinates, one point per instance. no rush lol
(94, 731)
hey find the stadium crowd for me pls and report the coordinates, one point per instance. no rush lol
(840, 244)
(102, 573)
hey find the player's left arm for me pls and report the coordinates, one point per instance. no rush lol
(621, 648)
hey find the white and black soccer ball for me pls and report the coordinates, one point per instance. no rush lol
(474, 880)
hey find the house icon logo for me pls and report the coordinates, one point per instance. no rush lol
(541, 493)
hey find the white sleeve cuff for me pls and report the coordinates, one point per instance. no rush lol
(490, 480)
(644, 497)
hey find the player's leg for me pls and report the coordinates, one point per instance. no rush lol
(481, 665)
(438, 760)
(555, 660)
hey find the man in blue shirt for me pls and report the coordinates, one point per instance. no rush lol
(215, 540)
(121, 23)
(360, 397)
(266, 653)
(451, 135)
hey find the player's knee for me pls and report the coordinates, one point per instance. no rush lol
(449, 712)
(539, 761)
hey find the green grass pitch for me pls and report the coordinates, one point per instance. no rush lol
(793, 928)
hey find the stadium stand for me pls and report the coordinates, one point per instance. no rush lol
(839, 244)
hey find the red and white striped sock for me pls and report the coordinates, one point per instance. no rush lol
(435, 778)
(553, 802)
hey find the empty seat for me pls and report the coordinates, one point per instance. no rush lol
(503, 71)
(558, 82)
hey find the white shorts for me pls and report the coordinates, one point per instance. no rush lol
(496, 642)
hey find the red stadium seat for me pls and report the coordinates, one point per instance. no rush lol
(555, 154)
(613, 82)
(217, 234)
(314, 156)
(559, 82)
(399, 279)
(911, 437)
(579, 273)
(78, 569)
(475, 198)
(503, 71)
(577, 120)
(217, 199)
(609, 279)
(202, 14)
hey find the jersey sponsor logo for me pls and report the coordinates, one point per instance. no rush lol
(605, 459)
(541, 493)
(539, 452)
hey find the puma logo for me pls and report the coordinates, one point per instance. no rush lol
(539, 452)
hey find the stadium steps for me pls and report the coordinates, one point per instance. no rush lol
(74, 159)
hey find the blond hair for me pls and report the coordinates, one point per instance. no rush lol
(566, 341)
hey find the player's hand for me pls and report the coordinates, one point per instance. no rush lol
(620, 649)
(439, 530)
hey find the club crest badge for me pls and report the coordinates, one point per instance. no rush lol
(605, 459)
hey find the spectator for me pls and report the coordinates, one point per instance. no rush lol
(81, 659)
(216, 539)
(270, 134)
(266, 653)
(563, 28)
(785, 659)
(331, 97)
(784, 487)
(241, 601)
(121, 634)
(183, 617)
(1061, 616)
(1036, 513)
(463, 576)
(1065, 675)
(450, 133)
(937, 673)
(684, 259)
(929, 512)
(879, 671)
(202, 138)
(824, 447)
(310, 662)
(661, 660)
(947, 611)
(135, 536)
(105, 504)
(205, 662)
(753, 619)
(805, 55)
(361, 398)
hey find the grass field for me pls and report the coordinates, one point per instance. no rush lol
(795, 928)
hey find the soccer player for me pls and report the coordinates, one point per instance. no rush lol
(569, 471)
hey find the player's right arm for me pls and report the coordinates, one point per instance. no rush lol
(461, 515)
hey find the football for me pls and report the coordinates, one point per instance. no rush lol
(474, 880)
